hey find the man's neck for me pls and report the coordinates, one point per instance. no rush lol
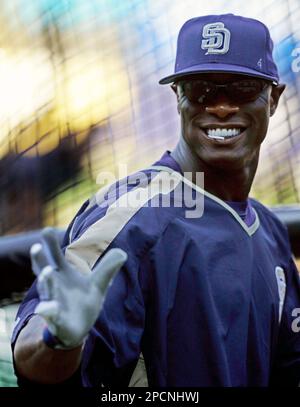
(228, 185)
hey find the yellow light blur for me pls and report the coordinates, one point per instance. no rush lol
(21, 97)
(36, 100)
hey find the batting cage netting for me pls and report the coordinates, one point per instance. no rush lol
(80, 95)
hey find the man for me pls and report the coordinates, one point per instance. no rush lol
(209, 300)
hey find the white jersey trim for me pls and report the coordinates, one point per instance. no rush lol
(84, 252)
(250, 230)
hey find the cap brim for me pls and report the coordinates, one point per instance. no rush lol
(216, 68)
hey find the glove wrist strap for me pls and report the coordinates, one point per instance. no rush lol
(53, 342)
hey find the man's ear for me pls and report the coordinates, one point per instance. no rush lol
(174, 89)
(275, 96)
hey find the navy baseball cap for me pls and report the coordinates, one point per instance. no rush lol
(224, 43)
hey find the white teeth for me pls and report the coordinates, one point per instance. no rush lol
(222, 133)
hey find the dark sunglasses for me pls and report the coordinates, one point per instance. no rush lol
(242, 91)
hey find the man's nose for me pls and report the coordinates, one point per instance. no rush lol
(222, 109)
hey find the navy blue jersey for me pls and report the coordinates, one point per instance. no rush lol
(207, 300)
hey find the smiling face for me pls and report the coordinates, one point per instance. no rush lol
(222, 132)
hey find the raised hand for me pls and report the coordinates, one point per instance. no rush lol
(70, 301)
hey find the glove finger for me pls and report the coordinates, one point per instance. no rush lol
(47, 309)
(53, 249)
(107, 268)
(38, 258)
(46, 284)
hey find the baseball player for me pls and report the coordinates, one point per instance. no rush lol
(208, 297)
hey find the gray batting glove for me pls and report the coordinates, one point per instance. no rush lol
(70, 302)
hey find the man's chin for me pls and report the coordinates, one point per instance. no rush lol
(226, 162)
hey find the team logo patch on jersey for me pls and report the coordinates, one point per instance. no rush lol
(281, 283)
(216, 38)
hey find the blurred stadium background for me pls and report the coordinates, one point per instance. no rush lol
(79, 94)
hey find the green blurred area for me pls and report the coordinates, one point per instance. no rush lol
(7, 377)
(7, 317)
